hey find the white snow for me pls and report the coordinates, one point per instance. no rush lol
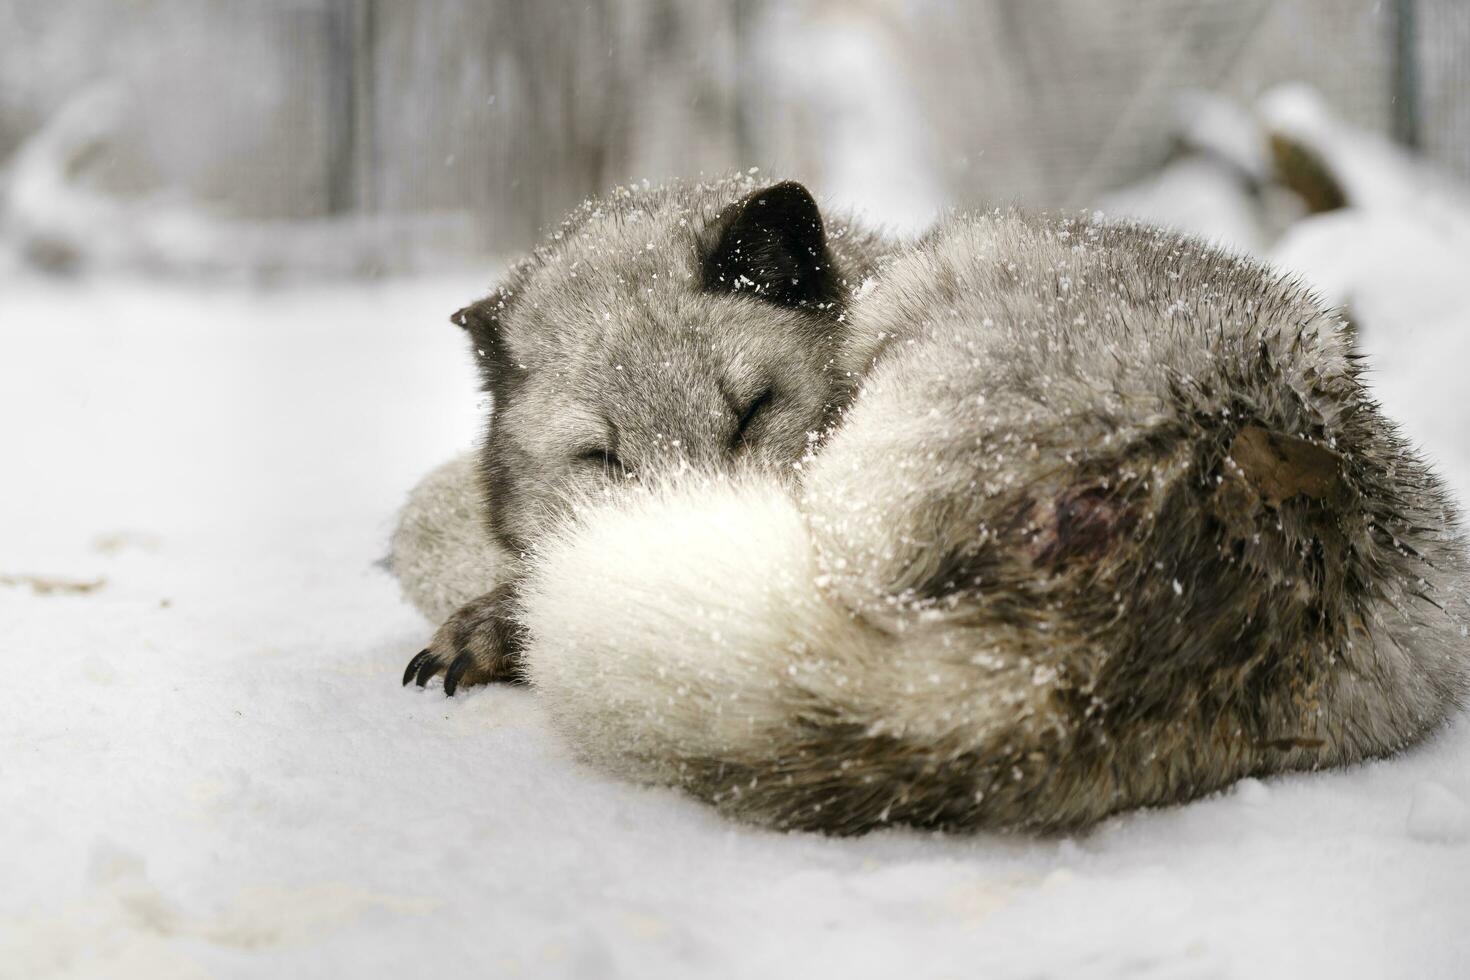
(207, 766)
(1436, 814)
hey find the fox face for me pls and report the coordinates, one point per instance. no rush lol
(686, 328)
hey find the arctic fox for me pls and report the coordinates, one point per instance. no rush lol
(1108, 521)
(690, 326)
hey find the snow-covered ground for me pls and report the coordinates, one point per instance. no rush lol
(208, 768)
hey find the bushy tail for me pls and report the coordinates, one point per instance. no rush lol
(704, 636)
(685, 637)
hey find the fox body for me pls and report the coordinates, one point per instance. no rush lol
(1104, 519)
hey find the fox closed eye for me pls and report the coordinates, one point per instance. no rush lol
(752, 412)
(598, 456)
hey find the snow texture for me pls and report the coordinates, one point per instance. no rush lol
(210, 769)
(1436, 814)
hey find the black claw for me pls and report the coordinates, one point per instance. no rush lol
(427, 669)
(414, 665)
(456, 670)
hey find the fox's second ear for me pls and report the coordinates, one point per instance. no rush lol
(772, 245)
(481, 319)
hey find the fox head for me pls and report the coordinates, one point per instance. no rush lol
(658, 331)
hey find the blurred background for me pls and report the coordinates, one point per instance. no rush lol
(369, 137)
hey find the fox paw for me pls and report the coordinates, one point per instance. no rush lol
(478, 644)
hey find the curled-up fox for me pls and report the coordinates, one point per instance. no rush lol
(686, 327)
(1029, 521)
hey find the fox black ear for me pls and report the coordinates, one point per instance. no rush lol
(498, 365)
(476, 315)
(772, 244)
(481, 320)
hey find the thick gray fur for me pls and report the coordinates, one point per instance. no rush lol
(1109, 518)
